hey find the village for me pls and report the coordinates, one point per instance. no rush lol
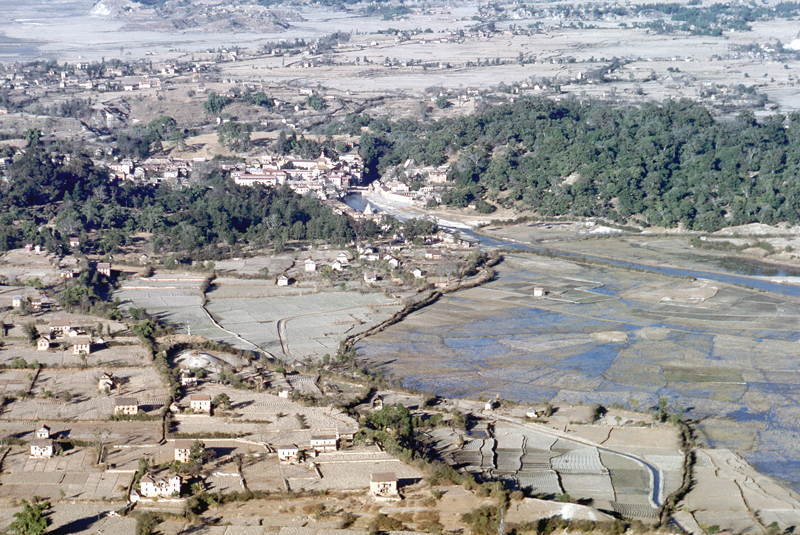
(97, 410)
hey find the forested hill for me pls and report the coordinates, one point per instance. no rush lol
(657, 164)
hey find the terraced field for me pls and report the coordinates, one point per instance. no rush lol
(724, 354)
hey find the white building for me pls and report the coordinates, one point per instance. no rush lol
(383, 484)
(288, 453)
(42, 447)
(324, 442)
(127, 406)
(200, 403)
(161, 487)
(183, 450)
(82, 345)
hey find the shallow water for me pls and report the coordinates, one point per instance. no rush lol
(731, 358)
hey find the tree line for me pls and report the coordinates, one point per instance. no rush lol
(655, 164)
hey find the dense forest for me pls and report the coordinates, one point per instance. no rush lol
(655, 164)
(74, 197)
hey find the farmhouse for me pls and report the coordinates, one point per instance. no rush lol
(160, 488)
(324, 442)
(42, 447)
(187, 379)
(127, 406)
(288, 453)
(16, 301)
(183, 450)
(82, 345)
(200, 403)
(310, 265)
(43, 343)
(282, 280)
(106, 382)
(392, 261)
(433, 254)
(59, 327)
(43, 432)
(370, 276)
(383, 484)
(104, 268)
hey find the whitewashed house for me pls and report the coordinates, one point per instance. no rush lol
(42, 447)
(126, 406)
(324, 442)
(161, 487)
(288, 453)
(200, 403)
(383, 484)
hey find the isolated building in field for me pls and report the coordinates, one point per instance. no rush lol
(200, 403)
(183, 450)
(82, 345)
(104, 268)
(43, 447)
(126, 406)
(152, 487)
(288, 453)
(383, 484)
(106, 382)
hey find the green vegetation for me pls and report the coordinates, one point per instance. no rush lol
(315, 102)
(31, 520)
(663, 164)
(189, 222)
(140, 142)
(215, 103)
(392, 426)
(235, 136)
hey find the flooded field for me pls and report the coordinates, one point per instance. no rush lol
(722, 353)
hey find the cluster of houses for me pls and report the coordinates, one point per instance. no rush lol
(153, 170)
(319, 443)
(371, 254)
(327, 178)
(64, 331)
(30, 304)
(383, 486)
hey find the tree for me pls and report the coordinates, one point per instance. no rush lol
(196, 451)
(32, 136)
(31, 331)
(222, 400)
(235, 136)
(315, 102)
(31, 520)
(215, 103)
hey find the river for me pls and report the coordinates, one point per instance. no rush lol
(730, 272)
